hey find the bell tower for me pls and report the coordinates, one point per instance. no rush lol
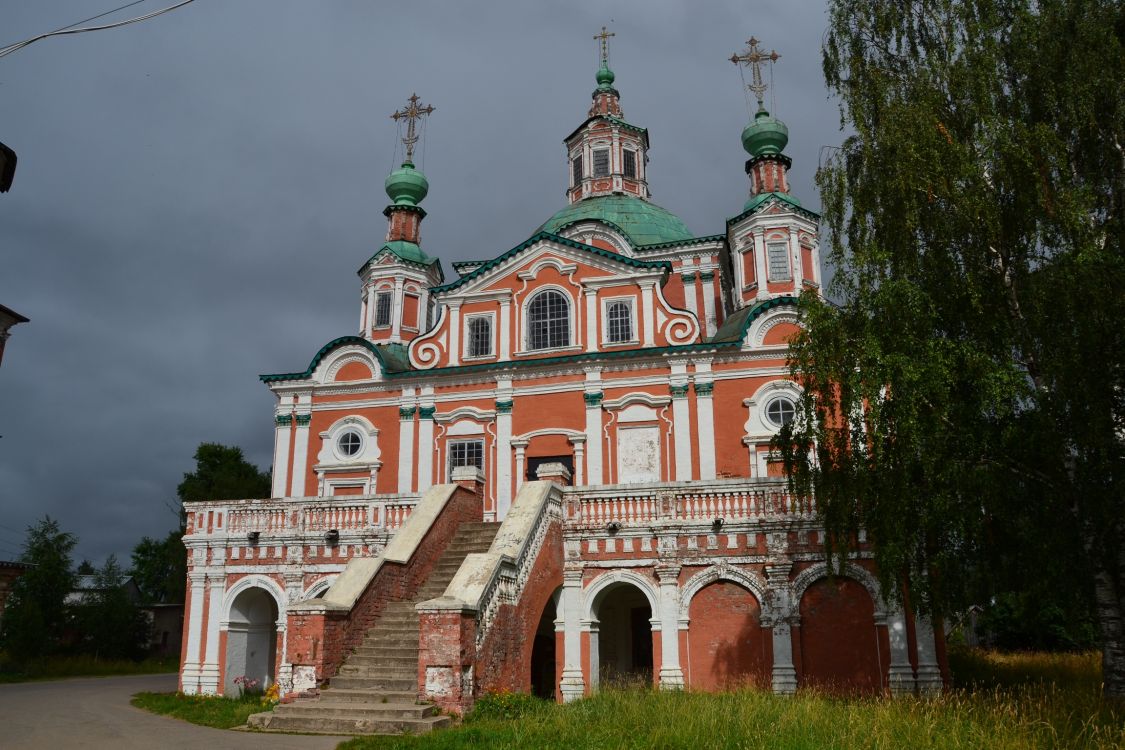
(606, 155)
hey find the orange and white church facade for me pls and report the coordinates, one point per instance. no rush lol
(552, 468)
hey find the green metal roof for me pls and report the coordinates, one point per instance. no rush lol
(643, 223)
(403, 250)
(761, 199)
(543, 235)
(395, 360)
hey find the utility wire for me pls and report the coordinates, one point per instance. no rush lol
(91, 18)
(68, 30)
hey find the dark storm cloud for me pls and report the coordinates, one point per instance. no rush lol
(195, 193)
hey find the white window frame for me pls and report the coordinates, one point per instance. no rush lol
(467, 337)
(624, 162)
(773, 399)
(606, 304)
(608, 160)
(338, 451)
(449, 445)
(526, 321)
(783, 245)
(389, 295)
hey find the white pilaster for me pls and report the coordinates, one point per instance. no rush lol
(281, 437)
(681, 422)
(301, 444)
(760, 264)
(648, 315)
(370, 321)
(593, 398)
(671, 675)
(426, 439)
(209, 670)
(572, 686)
(579, 443)
(796, 264)
(739, 263)
(407, 410)
(900, 675)
(591, 319)
(691, 294)
(520, 447)
(503, 448)
(197, 584)
(454, 333)
(707, 283)
(396, 310)
(505, 332)
(705, 407)
(929, 673)
(784, 680)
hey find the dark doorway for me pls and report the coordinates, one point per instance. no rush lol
(534, 462)
(624, 637)
(543, 677)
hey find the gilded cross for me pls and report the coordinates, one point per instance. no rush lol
(604, 37)
(411, 113)
(753, 56)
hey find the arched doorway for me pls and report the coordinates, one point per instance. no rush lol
(624, 637)
(840, 649)
(727, 647)
(544, 679)
(251, 639)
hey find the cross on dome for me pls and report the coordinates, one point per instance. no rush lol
(604, 37)
(753, 56)
(411, 113)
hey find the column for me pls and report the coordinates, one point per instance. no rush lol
(760, 258)
(739, 262)
(795, 255)
(671, 675)
(707, 280)
(370, 322)
(594, 472)
(396, 310)
(406, 414)
(681, 422)
(454, 333)
(816, 261)
(424, 310)
(426, 440)
(281, 454)
(900, 675)
(929, 673)
(591, 319)
(503, 449)
(209, 670)
(784, 680)
(704, 386)
(520, 447)
(648, 317)
(690, 294)
(362, 313)
(301, 445)
(572, 685)
(505, 332)
(197, 583)
(579, 443)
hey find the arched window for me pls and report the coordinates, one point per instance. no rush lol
(619, 322)
(548, 321)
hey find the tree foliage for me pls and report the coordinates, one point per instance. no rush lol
(965, 401)
(34, 617)
(222, 473)
(160, 568)
(109, 623)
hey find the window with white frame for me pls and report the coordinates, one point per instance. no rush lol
(777, 253)
(576, 166)
(548, 321)
(629, 163)
(479, 339)
(466, 453)
(348, 443)
(619, 321)
(601, 162)
(780, 411)
(383, 310)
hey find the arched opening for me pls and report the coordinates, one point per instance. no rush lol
(543, 654)
(727, 647)
(624, 637)
(839, 641)
(251, 639)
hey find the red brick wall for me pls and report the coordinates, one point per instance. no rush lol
(727, 646)
(841, 649)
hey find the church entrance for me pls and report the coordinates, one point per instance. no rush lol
(624, 637)
(251, 640)
(544, 679)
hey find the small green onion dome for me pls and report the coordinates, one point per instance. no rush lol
(406, 186)
(766, 135)
(605, 76)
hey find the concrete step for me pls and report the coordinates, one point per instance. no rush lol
(388, 651)
(387, 683)
(339, 695)
(323, 707)
(346, 724)
(379, 662)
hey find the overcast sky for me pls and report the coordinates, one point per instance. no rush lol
(195, 193)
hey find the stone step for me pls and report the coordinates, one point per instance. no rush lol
(375, 662)
(324, 707)
(339, 695)
(387, 650)
(387, 683)
(346, 724)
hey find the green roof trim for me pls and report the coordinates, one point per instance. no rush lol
(642, 222)
(761, 199)
(609, 118)
(404, 251)
(680, 243)
(395, 361)
(542, 235)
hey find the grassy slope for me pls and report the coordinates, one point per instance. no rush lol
(1034, 701)
(221, 713)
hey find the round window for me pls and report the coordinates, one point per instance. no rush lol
(781, 411)
(349, 443)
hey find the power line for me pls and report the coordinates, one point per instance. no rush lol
(91, 18)
(68, 30)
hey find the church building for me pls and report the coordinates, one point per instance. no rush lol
(549, 470)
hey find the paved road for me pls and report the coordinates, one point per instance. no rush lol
(95, 713)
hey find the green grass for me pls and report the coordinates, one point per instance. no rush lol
(60, 667)
(1009, 703)
(209, 711)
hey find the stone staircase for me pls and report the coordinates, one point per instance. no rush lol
(376, 689)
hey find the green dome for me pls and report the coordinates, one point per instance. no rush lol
(766, 135)
(642, 222)
(604, 76)
(406, 186)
